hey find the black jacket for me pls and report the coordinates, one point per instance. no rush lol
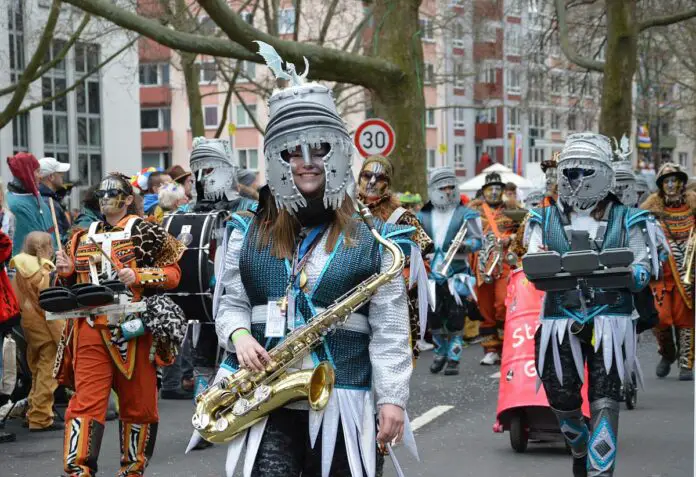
(63, 222)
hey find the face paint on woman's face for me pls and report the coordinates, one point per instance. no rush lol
(672, 186)
(493, 194)
(373, 181)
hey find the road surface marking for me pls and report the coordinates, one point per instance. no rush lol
(429, 416)
(495, 375)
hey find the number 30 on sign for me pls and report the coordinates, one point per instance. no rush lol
(374, 136)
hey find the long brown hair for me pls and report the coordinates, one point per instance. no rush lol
(284, 228)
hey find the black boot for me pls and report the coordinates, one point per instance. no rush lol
(663, 368)
(452, 368)
(575, 431)
(580, 466)
(686, 354)
(438, 363)
(604, 439)
(686, 374)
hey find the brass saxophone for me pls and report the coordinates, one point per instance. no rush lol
(237, 402)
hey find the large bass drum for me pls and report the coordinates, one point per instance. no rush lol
(201, 233)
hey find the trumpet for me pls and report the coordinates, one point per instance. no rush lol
(457, 242)
(495, 269)
(688, 274)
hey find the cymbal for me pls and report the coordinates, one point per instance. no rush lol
(517, 215)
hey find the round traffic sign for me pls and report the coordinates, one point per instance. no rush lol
(374, 136)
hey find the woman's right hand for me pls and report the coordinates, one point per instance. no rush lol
(63, 262)
(250, 353)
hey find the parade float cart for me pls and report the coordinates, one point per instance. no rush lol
(522, 411)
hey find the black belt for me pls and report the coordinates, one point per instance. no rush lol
(600, 298)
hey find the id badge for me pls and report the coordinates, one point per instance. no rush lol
(275, 321)
(291, 311)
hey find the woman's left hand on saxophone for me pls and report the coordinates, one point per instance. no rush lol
(391, 424)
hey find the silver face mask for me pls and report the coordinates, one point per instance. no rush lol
(304, 116)
(534, 199)
(585, 174)
(442, 188)
(642, 188)
(212, 164)
(625, 188)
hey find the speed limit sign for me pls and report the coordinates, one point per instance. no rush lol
(374, 136)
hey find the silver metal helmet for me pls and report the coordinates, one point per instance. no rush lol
(213, 165)
(304, 116)
(439, 179)
(625, 183)
(534, 198)
(642, 188)
(585, 173)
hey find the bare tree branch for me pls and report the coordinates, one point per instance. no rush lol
(567, 49)
(296, 29)
(25, 80)
(327, 21)
(77, 83)
(60, 56)
(252, 116)
(225, 108)
(666, 20)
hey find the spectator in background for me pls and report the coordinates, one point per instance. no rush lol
(510, 196)
(90, 211)
(248, 186)
(172, 196)
(151, 198)
(34, 268)
(7, 218)
(9, 317)
(31, 213)
(52, 190)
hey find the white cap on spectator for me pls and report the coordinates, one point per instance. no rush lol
(49, 165)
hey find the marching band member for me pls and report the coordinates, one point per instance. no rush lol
(374, 191)
(442, 218)
(594, 329)
(550, 167)
(493, 267)
(98, 355)
(675, 208)
(301, 251)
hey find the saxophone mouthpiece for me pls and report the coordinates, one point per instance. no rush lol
(365, 213)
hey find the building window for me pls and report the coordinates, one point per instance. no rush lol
(247, 72)
(286, 21)
(15, 16)
(429, 73)
(248, 17)
(459, 35)
(536, 87)
(154, 74)
(206, 26)
(536, 123)
(589, 122)
(243, 118)
(459, 156)
(459, 75)
(572, 85)
(514, 81)
(556, 83)
(426, 28)
(555, 121)
(572, 122)
(248, 159)
(515, 7)
(514, 119)
(513, 38)
(208, 72)
(20, 133)
(487, 75)
(683, 159)
(210, 116)
(489, 32)
(55, 113)
(488, 115)
(156, 119)
(430, 118)
(431, 159)
(538, 155)
(459, 120)
(156, 159)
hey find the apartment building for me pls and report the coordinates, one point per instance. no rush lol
(91, 127)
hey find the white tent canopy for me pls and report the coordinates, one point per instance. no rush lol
(506, 174)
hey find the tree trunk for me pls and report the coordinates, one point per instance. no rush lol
(402, 103)
(620, 66)
(191, 71)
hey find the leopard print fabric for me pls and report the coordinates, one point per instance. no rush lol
(154, 247)
(420, 237)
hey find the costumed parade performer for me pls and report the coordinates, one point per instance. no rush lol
(456, 231)
(582, 325)
(675, 208)
(493, 264)
(99, 352)
(550, 167)
(285, 267)
(374, 190)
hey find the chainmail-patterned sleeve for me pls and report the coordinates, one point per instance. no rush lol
(234, 309)
(641, 258)
(390, 352)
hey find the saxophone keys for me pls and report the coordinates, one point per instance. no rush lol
(221, 424)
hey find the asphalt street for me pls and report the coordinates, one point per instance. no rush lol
(655, 440)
